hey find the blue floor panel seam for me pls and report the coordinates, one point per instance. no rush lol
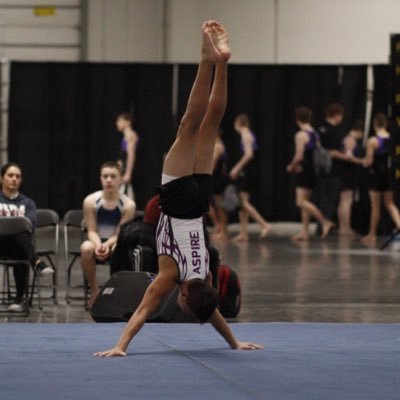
(216, 372)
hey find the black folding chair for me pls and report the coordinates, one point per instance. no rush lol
(73, 235)
(47, 236)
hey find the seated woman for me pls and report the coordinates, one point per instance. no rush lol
(15, 204)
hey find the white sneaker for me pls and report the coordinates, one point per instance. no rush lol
(16, 307)
(46, 271)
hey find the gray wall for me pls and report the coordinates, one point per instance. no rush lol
(262, 31)
(35, 30)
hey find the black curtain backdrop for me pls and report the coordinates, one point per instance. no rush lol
(382, 95)
(269, 95)
(62, 122)
(62, 126)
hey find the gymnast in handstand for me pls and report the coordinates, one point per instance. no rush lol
(186, 189)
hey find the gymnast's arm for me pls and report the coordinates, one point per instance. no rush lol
(301, 140)
(161, 285)
(131, 156)
(220, 325)
(372, 145)
(248, 155)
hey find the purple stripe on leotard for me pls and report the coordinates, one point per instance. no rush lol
(170, 247)
(383, 145)
(313, 138)
(254, 144)
(124, 145)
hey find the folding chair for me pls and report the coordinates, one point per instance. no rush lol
(73, 236)
(47, 235)
(10, 226)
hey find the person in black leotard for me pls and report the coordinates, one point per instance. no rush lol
(186, 186)
(127, 156)
(347, 173)
(217, 213)
(380, 186)
(242, 174)
(331, 135)
(302, 166)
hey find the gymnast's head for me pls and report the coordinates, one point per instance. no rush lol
(10, 178)
(123, 121)
(198, 299)
(303, 116)
(357, 129)
(380, 121)
(334, 114)
(242, 121)
(110, 175)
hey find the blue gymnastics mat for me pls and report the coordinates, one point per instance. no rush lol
(177, 361)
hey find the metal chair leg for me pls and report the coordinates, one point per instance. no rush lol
(36, 283)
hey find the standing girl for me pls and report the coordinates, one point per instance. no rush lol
(347, 173)
(217, 212)
(127, 157)
(302, 165)
(243, 173)
(378, 162)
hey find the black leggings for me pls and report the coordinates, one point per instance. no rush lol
(20, 247)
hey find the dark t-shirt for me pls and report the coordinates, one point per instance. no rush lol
(331, 138)
(20, 206)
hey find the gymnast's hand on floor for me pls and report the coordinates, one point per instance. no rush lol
(111, 353)
(248, 346)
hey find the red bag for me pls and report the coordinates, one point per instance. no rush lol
(230, 294)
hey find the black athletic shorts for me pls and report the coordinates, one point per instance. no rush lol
(187, 197)
(347, 176)
(219, 184)
(245, 181)
(306, 179)
(379, 182)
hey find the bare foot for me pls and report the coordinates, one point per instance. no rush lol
(215, 235)
(369, 239)
(326, 228)
(92, 298)
(345, 232)
(209, 51)
(216, 232)
(264, 231)
(301, 237)
(220, 39)
(224, 235)
(240, 238)
(219, 236)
